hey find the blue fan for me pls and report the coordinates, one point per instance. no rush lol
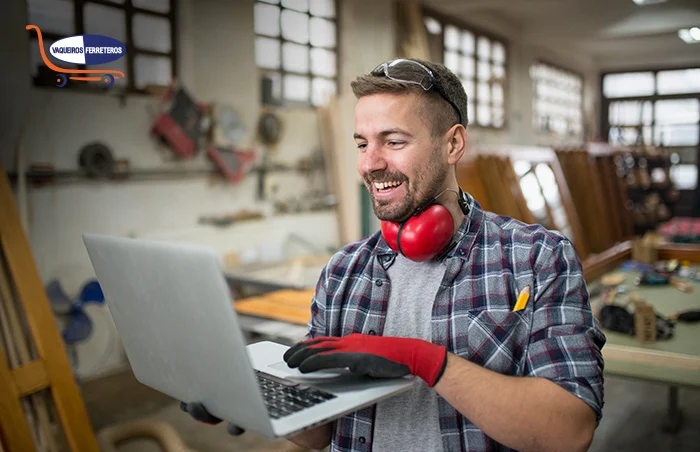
(78, 326)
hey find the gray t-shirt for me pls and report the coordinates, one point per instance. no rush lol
(409, 421)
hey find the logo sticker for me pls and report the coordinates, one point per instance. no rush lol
(82, 49)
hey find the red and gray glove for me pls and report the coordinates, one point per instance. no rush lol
(375, 356)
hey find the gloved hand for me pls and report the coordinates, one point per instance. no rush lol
(375, 356)
(199, 413)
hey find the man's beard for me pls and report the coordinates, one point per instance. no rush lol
(428, 183)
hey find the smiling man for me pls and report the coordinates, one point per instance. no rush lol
(491, 314)
(492, 377)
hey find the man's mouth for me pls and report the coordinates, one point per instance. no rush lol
(386, 187)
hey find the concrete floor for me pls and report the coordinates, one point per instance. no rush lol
(631, 421)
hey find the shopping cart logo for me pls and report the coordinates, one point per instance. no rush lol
(83, 49)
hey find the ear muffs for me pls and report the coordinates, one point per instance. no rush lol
(423, 235)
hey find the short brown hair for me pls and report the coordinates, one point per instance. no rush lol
(442, 114)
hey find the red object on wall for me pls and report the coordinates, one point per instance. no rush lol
(179, 124)
(232, 163)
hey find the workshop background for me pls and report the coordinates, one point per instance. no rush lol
(232, 129)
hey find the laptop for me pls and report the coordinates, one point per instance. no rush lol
(173, 309)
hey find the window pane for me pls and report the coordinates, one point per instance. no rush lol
(628, 84)
(499, 72)
(267, 53)
(452, 61)
(151, 70)
(295, 26)
(321, 91)
(676, 135)
(466, 69)
(105, 20)
(274, 2)
(451, 38)
(267, 20)
(295, 57)
(676, 82)
(52, 15)
(151, 32)
(484, 48)
(322, 33)
(629, 113)
(36, 61)
(299, 5)
(322, 8)
(276, 86)
(296, 88)
(483, 92)
(433, 26)
(323, 62)
(484, 71)
(499, 53)
(629, 135)
(521, 167)
(468, 43)
(161, 6)
(497, 91)
(483, 114)
(681, 111)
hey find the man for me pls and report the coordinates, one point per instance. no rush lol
(494, 376)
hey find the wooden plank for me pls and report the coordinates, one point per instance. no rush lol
(682, 252)
(31, 378)
(14, 431)
(597, 265)
(651, 357)
(49, 344)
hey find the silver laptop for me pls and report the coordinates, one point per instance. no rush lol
(174, 312)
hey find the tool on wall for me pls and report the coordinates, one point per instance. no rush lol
(269, 133)
(181, 122)
(232, 163)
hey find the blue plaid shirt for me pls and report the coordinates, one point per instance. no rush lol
(556, 336)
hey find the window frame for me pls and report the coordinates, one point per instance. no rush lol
(263, 72)
(582, 109)
(477, 32)
(131, 49)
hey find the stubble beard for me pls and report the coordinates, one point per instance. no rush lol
(427, 184)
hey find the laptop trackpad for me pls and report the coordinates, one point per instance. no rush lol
(319, 374)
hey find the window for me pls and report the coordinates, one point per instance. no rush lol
(480, 62)
(657, 108)
(295, 49)
(146, 27)
(557, 100)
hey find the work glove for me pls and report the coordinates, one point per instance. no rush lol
(199, 413)
(374, 356)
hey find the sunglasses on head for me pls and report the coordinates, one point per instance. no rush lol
(413, 72)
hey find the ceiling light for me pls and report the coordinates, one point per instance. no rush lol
(648, 2)
(690, 35)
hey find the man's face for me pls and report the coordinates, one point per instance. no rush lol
(400, 163)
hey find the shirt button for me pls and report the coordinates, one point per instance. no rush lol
(362, 440)
(462, 252)
(371, 333)
(379, 282)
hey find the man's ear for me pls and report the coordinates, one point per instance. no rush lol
(456, 143)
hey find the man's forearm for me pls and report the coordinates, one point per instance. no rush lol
(316, 438)
(521, 413)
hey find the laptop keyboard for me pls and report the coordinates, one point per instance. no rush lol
(284, 397)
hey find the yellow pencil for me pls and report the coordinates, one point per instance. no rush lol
(522, 299)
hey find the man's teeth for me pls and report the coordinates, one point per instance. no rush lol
(385, 185)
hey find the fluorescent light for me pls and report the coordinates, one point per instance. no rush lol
(690, 35)
(648, 2)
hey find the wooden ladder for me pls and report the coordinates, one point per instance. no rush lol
(38, 392)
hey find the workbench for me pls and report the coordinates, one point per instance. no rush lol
(674, 362)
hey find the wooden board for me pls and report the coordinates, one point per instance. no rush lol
(293, 306)
(52, 360)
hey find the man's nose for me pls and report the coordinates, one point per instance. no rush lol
(372, 159)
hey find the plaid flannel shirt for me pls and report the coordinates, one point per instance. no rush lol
(556, 336)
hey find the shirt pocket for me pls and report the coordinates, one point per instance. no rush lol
(497, 339)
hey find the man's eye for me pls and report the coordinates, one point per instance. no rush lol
(395, 143)
(362, 146)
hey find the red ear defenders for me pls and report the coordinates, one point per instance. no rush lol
(425, 234)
